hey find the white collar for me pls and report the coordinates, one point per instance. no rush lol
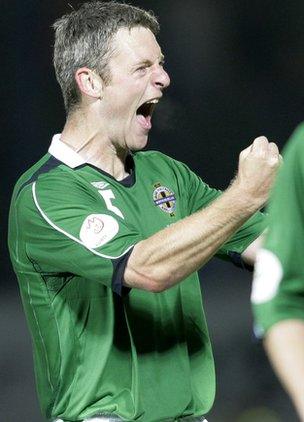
(64, 153)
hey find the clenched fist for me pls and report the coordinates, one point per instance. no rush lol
(258, 165)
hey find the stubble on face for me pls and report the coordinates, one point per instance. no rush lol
(134, 53)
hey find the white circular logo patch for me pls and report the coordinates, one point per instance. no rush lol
(98, 229)
(268, 273)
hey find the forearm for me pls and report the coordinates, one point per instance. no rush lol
(284, 344)
(172, 254)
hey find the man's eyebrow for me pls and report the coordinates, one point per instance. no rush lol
(144, 62)
(149, 62)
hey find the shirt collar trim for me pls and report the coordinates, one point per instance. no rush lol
(64, 153)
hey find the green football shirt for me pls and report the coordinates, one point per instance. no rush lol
(278, 287)
(100, 348)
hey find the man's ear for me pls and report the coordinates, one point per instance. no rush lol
(89, 83)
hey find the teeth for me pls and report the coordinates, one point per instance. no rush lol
(153, 101)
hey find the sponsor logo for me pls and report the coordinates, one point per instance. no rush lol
(100, 185)
(98, 229)
(164, 198)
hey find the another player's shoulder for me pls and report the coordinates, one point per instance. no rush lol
(293, 155)
(296, 140)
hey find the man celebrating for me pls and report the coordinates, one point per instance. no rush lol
(106, 240)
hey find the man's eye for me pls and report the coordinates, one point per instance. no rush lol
(142, 69)
(162, 63)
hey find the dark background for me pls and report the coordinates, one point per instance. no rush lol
(236, 72)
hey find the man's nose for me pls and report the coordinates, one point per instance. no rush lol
(161, 78)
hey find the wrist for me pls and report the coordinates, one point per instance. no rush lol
(245, 197)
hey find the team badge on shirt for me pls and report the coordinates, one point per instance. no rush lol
(164, 198)
(98, 229)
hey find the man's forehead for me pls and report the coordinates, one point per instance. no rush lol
(137, 42)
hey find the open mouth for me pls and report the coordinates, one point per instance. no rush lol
(144, 113)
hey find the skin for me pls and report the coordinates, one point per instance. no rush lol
(284, 344)
(106, 128)
(172, 254)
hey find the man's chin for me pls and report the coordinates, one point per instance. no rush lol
(139, 143)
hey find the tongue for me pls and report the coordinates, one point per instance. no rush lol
(145, 122)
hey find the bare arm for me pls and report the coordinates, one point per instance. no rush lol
(284, 344)
(170, 255)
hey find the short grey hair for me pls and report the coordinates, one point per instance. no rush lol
(83, 38)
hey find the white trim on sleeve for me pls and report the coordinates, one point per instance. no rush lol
(268, 274)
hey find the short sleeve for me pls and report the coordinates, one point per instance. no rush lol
(70, 230)
(201, 195)
(243, 237)
(278, 287)
(197, 193)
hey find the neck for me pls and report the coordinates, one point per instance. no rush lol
(94, 147)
